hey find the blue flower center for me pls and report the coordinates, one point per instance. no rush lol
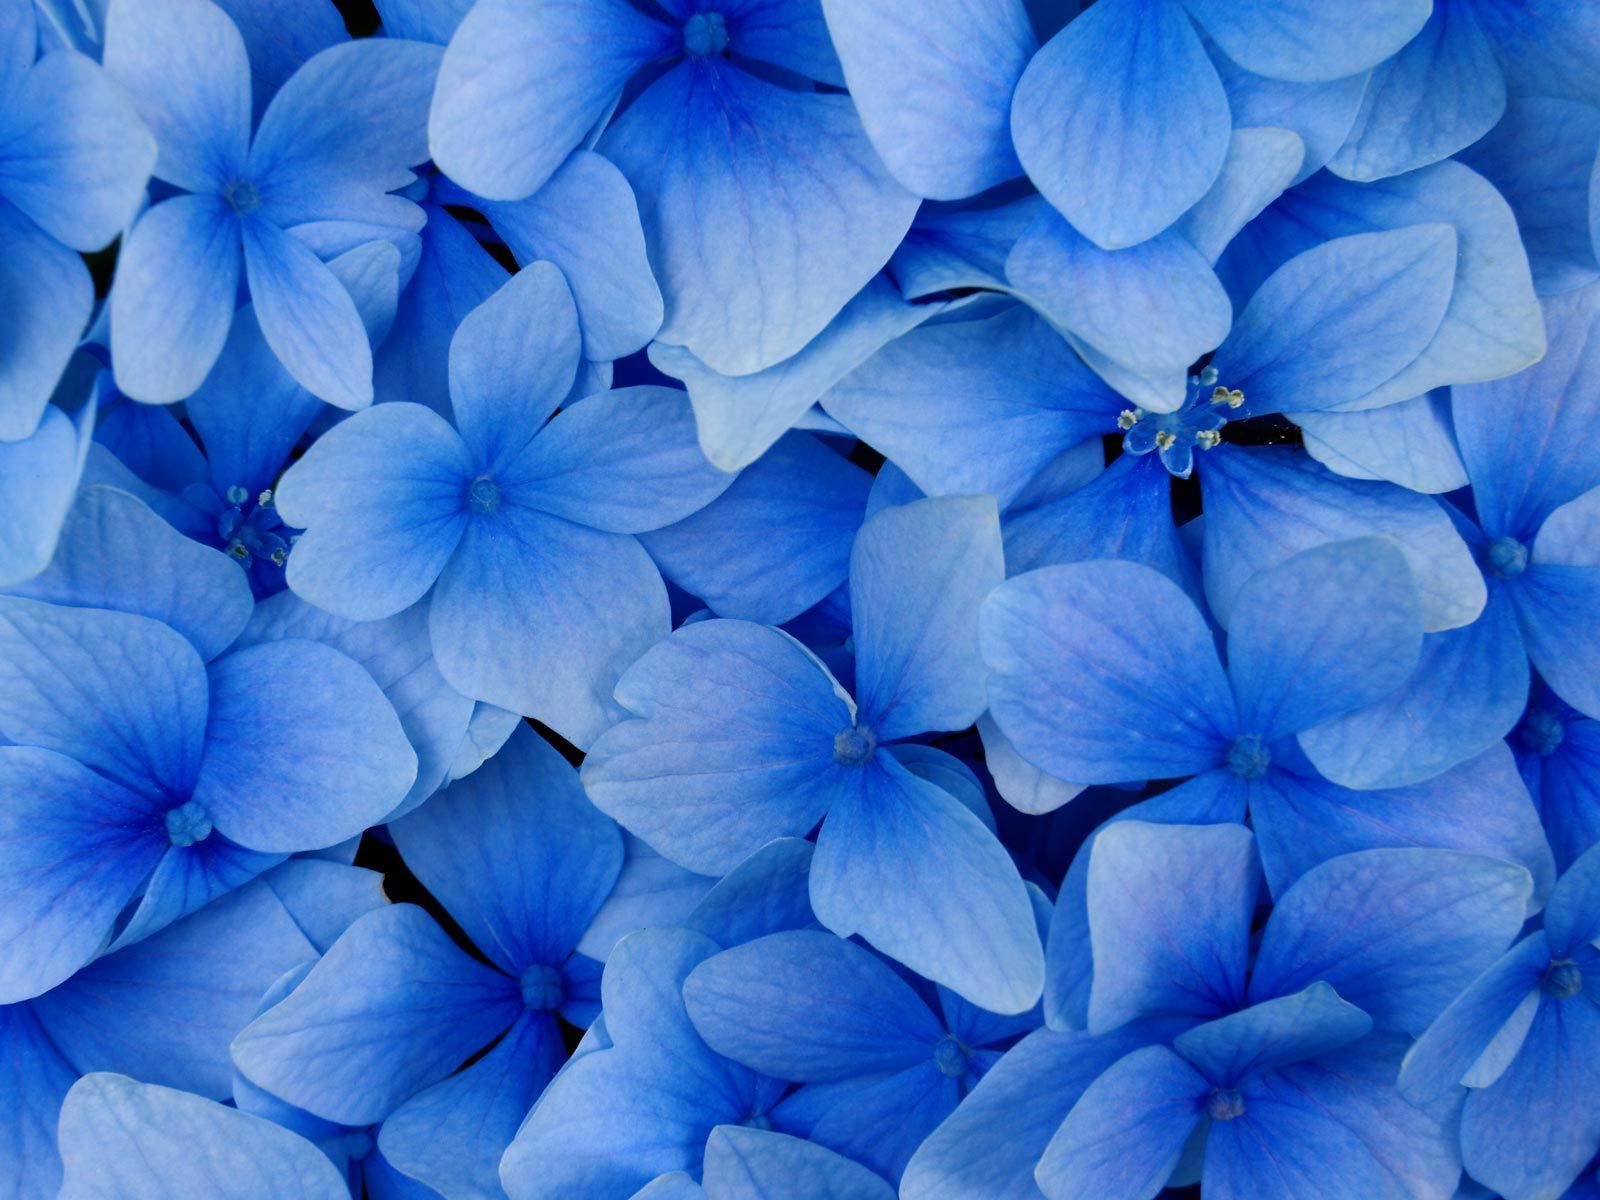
(853, 746)
(1542, 732)
(1506, 557)
(705, 34)
(1225, 1104)
(542, 989)
(758, 1121)
(246, 529)
(1174, 435)
(1249, 757)
(242, 197)
(356, 1144)
(1562, 981)
(950, 1056)
(187, 824)
(483, 496)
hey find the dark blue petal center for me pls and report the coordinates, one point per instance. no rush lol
(1249, 757)
(542, 988)
(950, 1056)
(853, 746)
(1174, 435)
(246, 529)
(1506, 557)
(1542, 732)
(187, 824)
(1225, 1104)
(483, 496)
(1562, 981)
(242, 197)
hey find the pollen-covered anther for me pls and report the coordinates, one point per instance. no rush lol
(1129, 417)
(1208, 439)
(1166, 440)
(1232, 397)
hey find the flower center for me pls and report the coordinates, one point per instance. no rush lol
(187, 824)
(1174, 435)
(1562, 981)
(950, 1056)
(758, 1121)
(483, 496)
(705, 34)
(356, 1144)
(246, 529)
(1225, 1104)
(242, 197)
(853, 746)
(542, 989)
(1249, 757)
(1542, 732)
(1506, 557)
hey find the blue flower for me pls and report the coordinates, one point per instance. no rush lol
(522, 862)
(1104, 672)
(1523, 1039)
(1558, 753)
(742, 735)
(74, 159)
(311, 182)
(882, 1061)
(781, 173)
(543, 595)
(741, 1162)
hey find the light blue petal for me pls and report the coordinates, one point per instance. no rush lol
(343, 130)
(754, 1164)
(1265, 504)
(766, 893)
(1519, 480)
(624, 461)
(1321, 114)
(121, 1139)
(917, 575)
(521, 85)
(167, 1008)
(76, 157)
(422, 20)
(187, 879)
(182, 64)
(380, 497)
(1552, 1081)
(450, 1136)
(733, 745)
(740, 416)
(987, 1148)
(115, 553)
(1468, 690)
(173, 297)
(1573, 915)
(1411, 443)
(933, 84)
(1332, 324)
(1405, 122)
(516, 854)
(782, 177)
(1169, 920)
(1261, 163)
(877, 1120)
(541, 616)
(121, 694)
(36, 1079)
(38, 478)
(1321, 633)
(1304, 40)
(1479, 806)
(76, 848)
(809, 1007)
(46, 298)
(398, 655)
(313, 722)
(280, 35)
(1273, 1033)
(1020, 784)
(1401, 933)
(1456, 1043)
(909, 868)
(393, 1007)
(307, 316)
(1121, 121)
(1152, 308)
(1541, 157)
(585, 221)
(951, 247)
(512, 361)
(974, 406)
(1559, 595)
(776, 541)
(1123, 1137)
(1084, 695)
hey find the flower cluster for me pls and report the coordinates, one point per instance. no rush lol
(799, 599)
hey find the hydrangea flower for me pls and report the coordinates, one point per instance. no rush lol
(783, 173)
(742, 735)
(74, 159)
(515, 520)
(742, 1163)
(522, 861)
(308, 181)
